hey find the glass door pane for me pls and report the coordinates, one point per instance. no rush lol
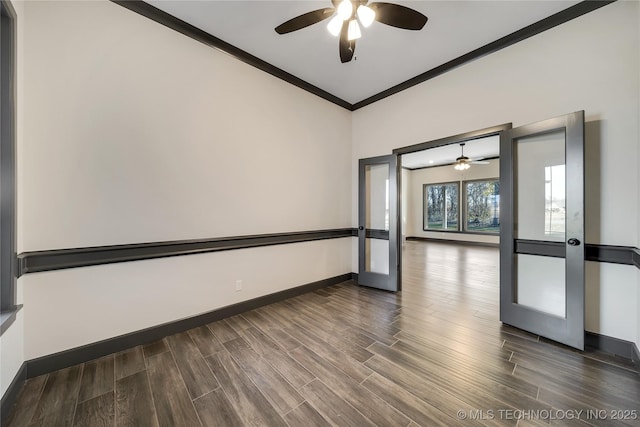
(541, 192)
(377, 218)
(377, 228)
(540, 215)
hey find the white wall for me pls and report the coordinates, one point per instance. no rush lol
(136, 133)
(419, 177)
(12, 341)
(589, 63)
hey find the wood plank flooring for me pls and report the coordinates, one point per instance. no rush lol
(434, 354)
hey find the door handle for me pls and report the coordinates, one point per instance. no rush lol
(361, 228)
(573, 242)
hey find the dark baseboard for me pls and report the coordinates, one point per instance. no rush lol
(74, 356)
(454, 242)
(622, 348)
(11, 395)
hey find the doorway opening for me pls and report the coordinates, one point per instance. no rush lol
(449, 226)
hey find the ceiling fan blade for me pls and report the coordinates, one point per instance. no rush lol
(480, 162)
(304, 20)
(398, 16)
(347, 47)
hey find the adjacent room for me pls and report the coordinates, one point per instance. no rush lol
(450, 221)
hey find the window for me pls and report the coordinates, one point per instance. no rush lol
(482, 206)
(441, 206)
(555, 201)
(7, 158)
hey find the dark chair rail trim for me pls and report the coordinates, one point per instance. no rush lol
(32, 262)
(542, 248)
(58, 259)
(161, 17)
(372, 233)
(598, 253)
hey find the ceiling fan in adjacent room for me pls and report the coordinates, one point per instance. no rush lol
(348, 15)
(464, 163)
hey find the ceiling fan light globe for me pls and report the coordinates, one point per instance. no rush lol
(335, 25)
(461, 166)
(354, 30)
(366, 15)
(345, 9)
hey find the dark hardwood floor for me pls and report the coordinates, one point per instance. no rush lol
(433, 354)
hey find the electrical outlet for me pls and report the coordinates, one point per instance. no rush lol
(238, 285)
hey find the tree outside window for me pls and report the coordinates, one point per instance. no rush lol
(441, 206)
(483, 206)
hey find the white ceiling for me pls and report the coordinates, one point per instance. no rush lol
(477, 149)
(385, 56)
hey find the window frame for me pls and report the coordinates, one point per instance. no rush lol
(8, 278)
(425, 208)
(465, 207)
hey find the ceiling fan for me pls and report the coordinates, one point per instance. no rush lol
(346, 15)
(464, 163)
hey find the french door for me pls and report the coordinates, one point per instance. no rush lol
(542, 228)
(377, 223)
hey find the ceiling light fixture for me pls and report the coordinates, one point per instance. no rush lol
(354, 30)
(335, 25)
(462, 162)
(345, 9)
(366, 15)
(344, 12)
